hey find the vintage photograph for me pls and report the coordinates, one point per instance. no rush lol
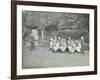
(54, 39)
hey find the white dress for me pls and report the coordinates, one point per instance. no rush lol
(71, 46)
(51, 44)
(78, 47)
(63, 45)
(34, 35)
(56, 47)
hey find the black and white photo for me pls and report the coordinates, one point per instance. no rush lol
(53, 39)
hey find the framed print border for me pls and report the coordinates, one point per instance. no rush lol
(14, 39)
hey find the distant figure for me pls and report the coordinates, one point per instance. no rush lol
(69, 41)
(78, 46)
(51, 43)
(42, 33)
(35, 36)
(59, 39)
(82, 42)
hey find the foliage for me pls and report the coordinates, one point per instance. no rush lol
(57, 23)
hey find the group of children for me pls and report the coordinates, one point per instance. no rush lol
(62, 44)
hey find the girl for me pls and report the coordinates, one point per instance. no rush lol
(63, 45)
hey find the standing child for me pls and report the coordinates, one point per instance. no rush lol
(82, 42)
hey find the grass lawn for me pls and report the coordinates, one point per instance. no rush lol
(42, 57)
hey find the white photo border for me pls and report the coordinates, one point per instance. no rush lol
(21, 71)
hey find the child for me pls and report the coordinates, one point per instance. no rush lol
(71, 45)
(78, 46)
(82, 42)
(63, 45)
(51, 43)
(56, 46)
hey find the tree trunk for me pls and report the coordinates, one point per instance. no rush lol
(42, 34)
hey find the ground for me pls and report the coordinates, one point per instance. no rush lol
(42, 57)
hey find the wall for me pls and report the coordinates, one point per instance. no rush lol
(5, 38)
